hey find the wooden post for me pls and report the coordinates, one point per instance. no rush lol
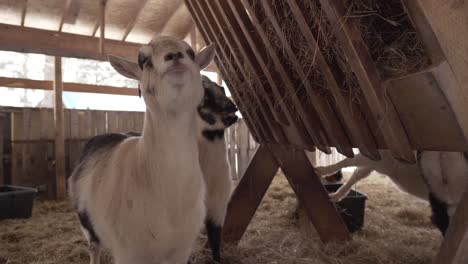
(2, 176)
(102, 13)
(60, 191)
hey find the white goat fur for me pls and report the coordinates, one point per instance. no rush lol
(145, 196)
(406, 176)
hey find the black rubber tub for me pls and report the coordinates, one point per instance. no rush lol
(16, 201)
(351, 208)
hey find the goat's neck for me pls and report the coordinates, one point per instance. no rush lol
(165, 133)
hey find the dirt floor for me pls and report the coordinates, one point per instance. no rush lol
(397, 229)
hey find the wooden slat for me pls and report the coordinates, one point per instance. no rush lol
(242, 138)
(311, 193)
(356, 126)
(31, 40)
(60, 190)
(228, 24)
(256, 131)
(230, 51)
(140, 5)
(23, 12)
(66, 7)
(332, 126)
(249, 193)
(307, 119)
(68, 86)
(102, 17)
(361, 63)
(2, 174)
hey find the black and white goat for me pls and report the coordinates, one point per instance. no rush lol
(438, 177)
(143, 197)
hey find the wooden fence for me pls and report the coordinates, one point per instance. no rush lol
(27, 141)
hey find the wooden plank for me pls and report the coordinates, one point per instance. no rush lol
(311, 193)
(361, 63)
(31, 40)
(74, 149)
(250, 119)
(227, 41)
(227, 23)
(2, 172)
(25, 177)
(102, 17)
(66, 7)
(313, 134)
(23, 12)
(68, 87)
(355, 125)
(100, 122)
(249, 193)
(140, 5)
(419, 101)
(16, 155)
(331, 125)
(60, 189)
(455, 245)
(242, 138)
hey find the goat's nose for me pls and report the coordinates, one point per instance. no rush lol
(230, 107)
(174, 56)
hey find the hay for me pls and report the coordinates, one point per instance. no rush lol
(397, 230)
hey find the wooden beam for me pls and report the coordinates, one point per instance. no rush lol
(23, 12)
(66, 7)
(358, 130)
(311, 193)
(140, 5)
(384, 114)
(249, 193)
(31, 40)
(102, 15)
(249, 117)
(67, 87)
(230, 51)
(326, 115)
(60, 189)
(308, 119)
(455, 245)
(193, 38)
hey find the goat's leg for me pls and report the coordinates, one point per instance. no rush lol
(332, 169)
(214, 231)
(359, 174)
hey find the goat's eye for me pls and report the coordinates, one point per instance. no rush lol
(191, 54)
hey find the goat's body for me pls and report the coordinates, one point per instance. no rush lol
(144, 200)
(406, 176)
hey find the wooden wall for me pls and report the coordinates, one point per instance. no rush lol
(28, 144)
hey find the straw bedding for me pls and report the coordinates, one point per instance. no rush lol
(397, 230)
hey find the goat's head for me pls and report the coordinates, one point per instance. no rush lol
(216, 110)
(169, 73)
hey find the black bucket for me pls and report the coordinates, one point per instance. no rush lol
(16, 201)
(351, 208)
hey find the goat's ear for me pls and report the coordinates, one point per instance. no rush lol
(205, 56)
(125, 67)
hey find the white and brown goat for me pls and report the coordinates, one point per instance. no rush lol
(143, 197)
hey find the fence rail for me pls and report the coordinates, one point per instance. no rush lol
(27, 141)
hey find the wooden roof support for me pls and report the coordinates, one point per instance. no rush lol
(356, 125)
(331, 124)
(141, 4)
(23, 12)
(60, 176)
(31, 40)
(350, 39)
(256, 132)
(66, 7)
(231, 52)
(309, 118)
(238, 42)
(67, 86)
(102, 15)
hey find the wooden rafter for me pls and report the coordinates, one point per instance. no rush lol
(102, 15)
(225, 40)
(67, 86)
(326, 114)
(237, 42)
(23, 12)
(350, 39)
(357, 127)
(256, 132)
(140, 5)
(31, 40)
(308, 117)
(66, 6)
